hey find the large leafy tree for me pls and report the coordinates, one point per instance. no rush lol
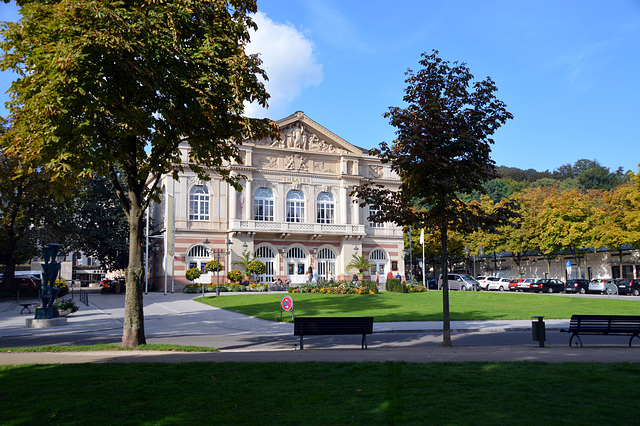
(119, 85)
(442, 150)
(29, 216)
(101, 227)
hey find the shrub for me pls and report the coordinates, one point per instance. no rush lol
(370, 286)
(193, 274)
(395, 285)
(214, 266)
(63, 288)
(192, 288)
(234, 275)
(257, 267)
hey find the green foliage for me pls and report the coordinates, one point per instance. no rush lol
(101, 227)
(359, 263)
(394, 285)
(193, 274)
(104, 85)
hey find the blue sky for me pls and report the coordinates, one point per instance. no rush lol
(569, 71)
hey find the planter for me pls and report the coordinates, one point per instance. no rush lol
(64, 313)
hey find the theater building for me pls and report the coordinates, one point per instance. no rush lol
(294, 212)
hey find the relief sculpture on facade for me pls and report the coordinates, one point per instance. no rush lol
(375, 171)
(296, 162)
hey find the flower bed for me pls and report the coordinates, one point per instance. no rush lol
(338, 287)
(225, 287)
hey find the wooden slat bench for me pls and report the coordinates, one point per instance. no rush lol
(316, 326)
(615, 325)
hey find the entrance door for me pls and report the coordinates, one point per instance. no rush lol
(379, 259)
(326, 264)
(266, 255)
(296, 265)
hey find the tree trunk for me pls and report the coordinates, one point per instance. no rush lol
(133, 330)
(446, 317)
(10, 263)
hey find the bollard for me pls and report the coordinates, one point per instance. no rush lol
(538, 331)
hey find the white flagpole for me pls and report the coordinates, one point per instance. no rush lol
(422, 242)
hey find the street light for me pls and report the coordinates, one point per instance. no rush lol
(207, 246)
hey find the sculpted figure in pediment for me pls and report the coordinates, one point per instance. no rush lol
(375, 171)
(296, 136)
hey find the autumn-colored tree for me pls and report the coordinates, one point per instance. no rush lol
(134, 86)
(442, 150)
(565, 224)
(617, 218)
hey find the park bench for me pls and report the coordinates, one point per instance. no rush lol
(614, 325)
(316, 326)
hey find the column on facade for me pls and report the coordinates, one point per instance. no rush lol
(343, 204)
(248, 200)
(355, 213)
(233, 202)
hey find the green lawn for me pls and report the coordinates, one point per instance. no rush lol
(390, 307)
(319, 393)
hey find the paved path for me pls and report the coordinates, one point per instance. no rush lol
(178, 319)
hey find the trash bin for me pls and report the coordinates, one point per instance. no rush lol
(538, 331)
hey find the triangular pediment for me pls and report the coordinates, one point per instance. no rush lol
(300, 133)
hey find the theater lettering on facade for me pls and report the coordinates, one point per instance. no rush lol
(294, 211)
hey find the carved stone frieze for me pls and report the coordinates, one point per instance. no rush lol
(296, 162)
(322, 167)
(375, 171)
(268, 162)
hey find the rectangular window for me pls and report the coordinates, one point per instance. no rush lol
(373, 211)
(263, 210)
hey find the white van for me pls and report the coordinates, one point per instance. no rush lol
(462, 282)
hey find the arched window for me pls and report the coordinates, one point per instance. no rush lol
(199, 203)
(379, 259)
(198, 257)
(263, 205)
(295, 206)
(325, 208)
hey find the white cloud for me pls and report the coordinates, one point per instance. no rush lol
(290, 63)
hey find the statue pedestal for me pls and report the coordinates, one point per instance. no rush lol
(45, 323)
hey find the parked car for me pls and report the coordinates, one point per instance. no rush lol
(548, 285)
(525, 284)
(484, 285)
(599, 285)
(628, 286)
(576, 286)
(501, 284)
(513, 285)
(482, 281)
(462, 282)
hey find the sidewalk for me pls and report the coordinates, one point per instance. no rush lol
(178, 319)
(178, 314)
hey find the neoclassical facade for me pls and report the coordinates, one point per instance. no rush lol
(294, 211)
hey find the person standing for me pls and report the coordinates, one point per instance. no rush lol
(377, 278)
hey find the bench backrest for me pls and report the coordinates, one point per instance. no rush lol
(303, 326)
(608, 323)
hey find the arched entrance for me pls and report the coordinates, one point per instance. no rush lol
(379, 259)
(326, 264)
(267, 256)
(296, 265)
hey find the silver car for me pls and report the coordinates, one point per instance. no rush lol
(599, 285)
(462, 282)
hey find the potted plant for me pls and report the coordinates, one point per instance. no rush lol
(245, 261)
(234, 276)
(193, 274)
(360, 263)
(65, 306)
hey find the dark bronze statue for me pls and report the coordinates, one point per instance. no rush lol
(48, 291)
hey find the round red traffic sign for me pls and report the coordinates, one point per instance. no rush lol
(286, 303)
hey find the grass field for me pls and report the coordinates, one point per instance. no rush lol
(320, 393)
(427, 306)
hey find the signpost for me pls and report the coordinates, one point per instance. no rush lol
(286, 304)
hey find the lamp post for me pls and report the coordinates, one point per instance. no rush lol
(405, 252)
(466, 256)
(207, 246)
(480, 251)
